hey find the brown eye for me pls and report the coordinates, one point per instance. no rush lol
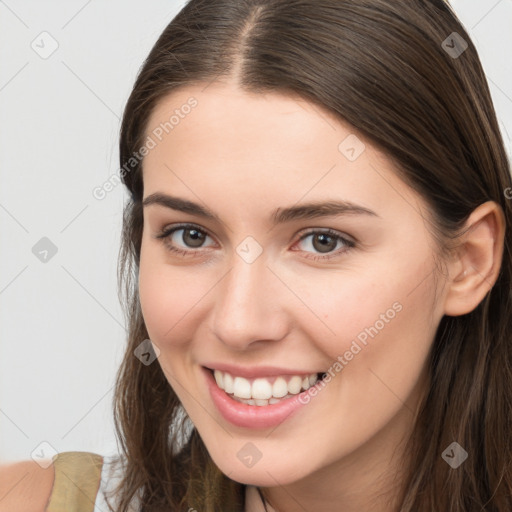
(192, 237)
(326, 242)
(185, 242)
(323, 242)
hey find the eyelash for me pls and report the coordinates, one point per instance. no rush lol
(165, 234)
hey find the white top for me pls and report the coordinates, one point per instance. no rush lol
(110, 478)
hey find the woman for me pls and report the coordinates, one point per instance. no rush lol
(318, 246)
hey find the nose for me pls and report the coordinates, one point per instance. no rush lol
(249, 308)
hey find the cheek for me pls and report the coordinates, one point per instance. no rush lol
(385, 354)
(161, 304)
(347, 307)
(376, 321)
(377, 357)
(166, 306)
(172, 298)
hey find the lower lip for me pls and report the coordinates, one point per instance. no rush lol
(252, 416)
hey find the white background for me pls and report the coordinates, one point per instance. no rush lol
(62, 329)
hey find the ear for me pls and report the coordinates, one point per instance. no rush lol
(475, 269)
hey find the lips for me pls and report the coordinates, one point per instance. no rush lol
(268, 412)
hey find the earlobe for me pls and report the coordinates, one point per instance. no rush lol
(476, 268)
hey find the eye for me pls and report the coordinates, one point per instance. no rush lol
(191, 237)
(325, 242)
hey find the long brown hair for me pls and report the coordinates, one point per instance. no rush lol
(385, 68)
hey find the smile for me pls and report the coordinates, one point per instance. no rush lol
(250, 410)
(264, 391)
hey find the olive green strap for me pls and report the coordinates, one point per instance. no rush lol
(77, 480)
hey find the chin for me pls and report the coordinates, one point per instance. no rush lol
(262, 473)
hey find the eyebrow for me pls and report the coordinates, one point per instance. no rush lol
(310, 210)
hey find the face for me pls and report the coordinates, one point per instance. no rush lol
(268, 289)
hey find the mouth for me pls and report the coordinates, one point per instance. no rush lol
(264, 391)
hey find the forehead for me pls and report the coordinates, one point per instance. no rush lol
(249, 121)
(269, 149)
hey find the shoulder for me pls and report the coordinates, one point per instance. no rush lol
(25, 486)
(65, 481)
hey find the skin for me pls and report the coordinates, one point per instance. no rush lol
(25, 486)
(243, 155)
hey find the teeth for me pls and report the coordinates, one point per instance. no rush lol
(294, 385)
(279, 388)
(261, 391)
(219, 378)
(241, 387)
(228, 383)
(256, 401)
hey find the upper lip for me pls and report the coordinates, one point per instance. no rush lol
(251, 372)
